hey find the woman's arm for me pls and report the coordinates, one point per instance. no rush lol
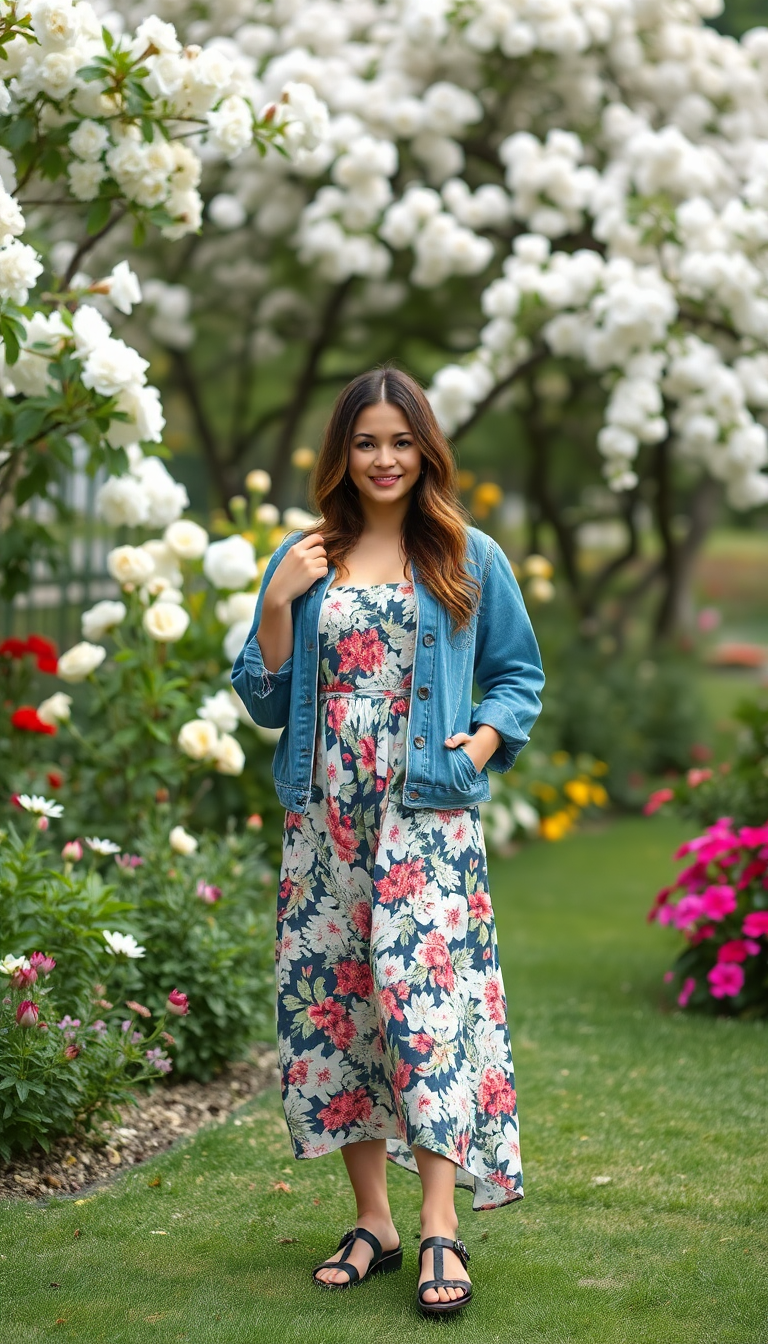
(266, 693)
(507, 664)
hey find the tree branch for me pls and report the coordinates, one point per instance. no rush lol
(189, 385)
(91, 242)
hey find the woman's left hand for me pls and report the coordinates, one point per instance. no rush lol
(484, 731)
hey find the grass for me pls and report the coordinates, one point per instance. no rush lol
(199, 1245)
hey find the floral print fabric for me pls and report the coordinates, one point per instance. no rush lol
(390, 1001)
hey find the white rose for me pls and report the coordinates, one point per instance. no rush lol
(165, 621)
(237, 607)
(259, 482)
(102, 618)
(56, 709)
(88, 141)
(130, 564)
(182, 841)
(229, 756)
(19, 269)
(124, 287)
(80, 661)
(122, 502)
(220, 710)
(198, 739)
(167, 499)
(112, 367)
(186, 539)
(164, 560)
(230, 563)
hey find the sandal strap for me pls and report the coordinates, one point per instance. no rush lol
(457, 1246)
(364, 1235)
(444, 1283)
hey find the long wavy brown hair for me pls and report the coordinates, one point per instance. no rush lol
(434, 529)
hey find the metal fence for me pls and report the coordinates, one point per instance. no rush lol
(57, 596)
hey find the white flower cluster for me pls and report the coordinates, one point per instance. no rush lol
(215, 87)
(145, 496)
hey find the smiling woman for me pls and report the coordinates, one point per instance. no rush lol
(392, 1027)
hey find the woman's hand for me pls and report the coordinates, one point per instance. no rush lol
(488, 740)
(302, 563)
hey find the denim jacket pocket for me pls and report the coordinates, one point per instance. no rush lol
(464, 755)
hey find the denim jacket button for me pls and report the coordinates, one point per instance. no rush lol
(428, 639)
(413, 793)
(418, 741)
(423, 692)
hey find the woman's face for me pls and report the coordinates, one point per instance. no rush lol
(384, 459)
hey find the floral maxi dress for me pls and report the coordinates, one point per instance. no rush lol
(390, 1002)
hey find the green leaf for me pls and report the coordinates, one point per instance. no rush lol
(19, 132)
(34, 483)
(6, 1082)
(27, 423)
(98, 215)
(22, 1089)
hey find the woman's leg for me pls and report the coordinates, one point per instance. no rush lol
(438, 1219)
(366, 1165)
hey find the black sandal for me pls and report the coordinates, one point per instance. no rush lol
(443, 1308)
(383, 1262)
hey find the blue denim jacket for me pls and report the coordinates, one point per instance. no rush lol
(498, 649)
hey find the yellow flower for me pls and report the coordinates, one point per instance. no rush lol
(488, 494)
(466, 480)
(578, 791)
(600, 768)
(303, 458)
(599, 795)
(555, 827)
(560, 757)
(547, 792)
(538, 567)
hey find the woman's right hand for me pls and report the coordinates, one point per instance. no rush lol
(302, 563)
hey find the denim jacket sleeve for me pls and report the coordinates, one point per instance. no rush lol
(265, 694)
(507, 663)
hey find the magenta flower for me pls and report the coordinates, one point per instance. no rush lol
(726, 980)
(687, 911)
(755, 924)
(42, 963)
(718, 901)
(27, 1013)
(754, 836)
(738, 949)
(685, 993)
(208, 893)
(177, 1003)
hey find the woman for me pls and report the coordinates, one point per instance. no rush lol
(367, 637)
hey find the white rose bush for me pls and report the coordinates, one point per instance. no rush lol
(109, 126)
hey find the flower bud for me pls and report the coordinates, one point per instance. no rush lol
(27, 1013)
(72, 851)
(254, 822)
(177, 1003)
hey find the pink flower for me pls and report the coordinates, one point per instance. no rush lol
(686, 912)
(668, 977)
(708, 619)
(255, 822)
(23, 977)
(754, 836)
(726, 980)
(657, 800)
(27, 1013)
(177, 1003)
(42, 963)
(72, 851)
(718, 901)
(738, 949)
(685, 993)
(755, 924)
(697, 777)
(208, 893)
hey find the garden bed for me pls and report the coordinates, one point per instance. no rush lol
(171, 1111)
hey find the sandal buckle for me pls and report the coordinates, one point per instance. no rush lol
(461, 1250)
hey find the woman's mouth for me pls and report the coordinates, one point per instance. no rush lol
(384, 480)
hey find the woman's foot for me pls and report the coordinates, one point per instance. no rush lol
(362, 1253)
(452, 1265)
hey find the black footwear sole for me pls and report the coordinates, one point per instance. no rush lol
(444, 1308)
(389, 1262)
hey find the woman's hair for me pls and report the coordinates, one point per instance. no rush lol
(434, 529)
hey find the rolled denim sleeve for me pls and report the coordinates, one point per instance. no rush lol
(507, 664)
(265, 694)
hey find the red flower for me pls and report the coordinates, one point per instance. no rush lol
(298, 1072)
(55, 779)
(433, 952)
(402, 880)
(361, 916)
(27, 718)
(657, 800)
(330, 1017)
(342, 832)
(354, 977)
(480, 906)
(345, 1108)
(494, 1000)
(422, 1043)
(495, 1094)
(13, 648)
(388, 1000)
(401, 1077)
(362, 649)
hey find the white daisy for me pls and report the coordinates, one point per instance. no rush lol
(123, 944)
(42, 807)
(101, 846)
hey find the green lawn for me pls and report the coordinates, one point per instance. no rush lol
(673, 1250)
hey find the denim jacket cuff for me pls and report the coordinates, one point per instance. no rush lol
(265, 679)
(512, 735)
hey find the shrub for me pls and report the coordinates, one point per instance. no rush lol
(541, 796)
(720, 903)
